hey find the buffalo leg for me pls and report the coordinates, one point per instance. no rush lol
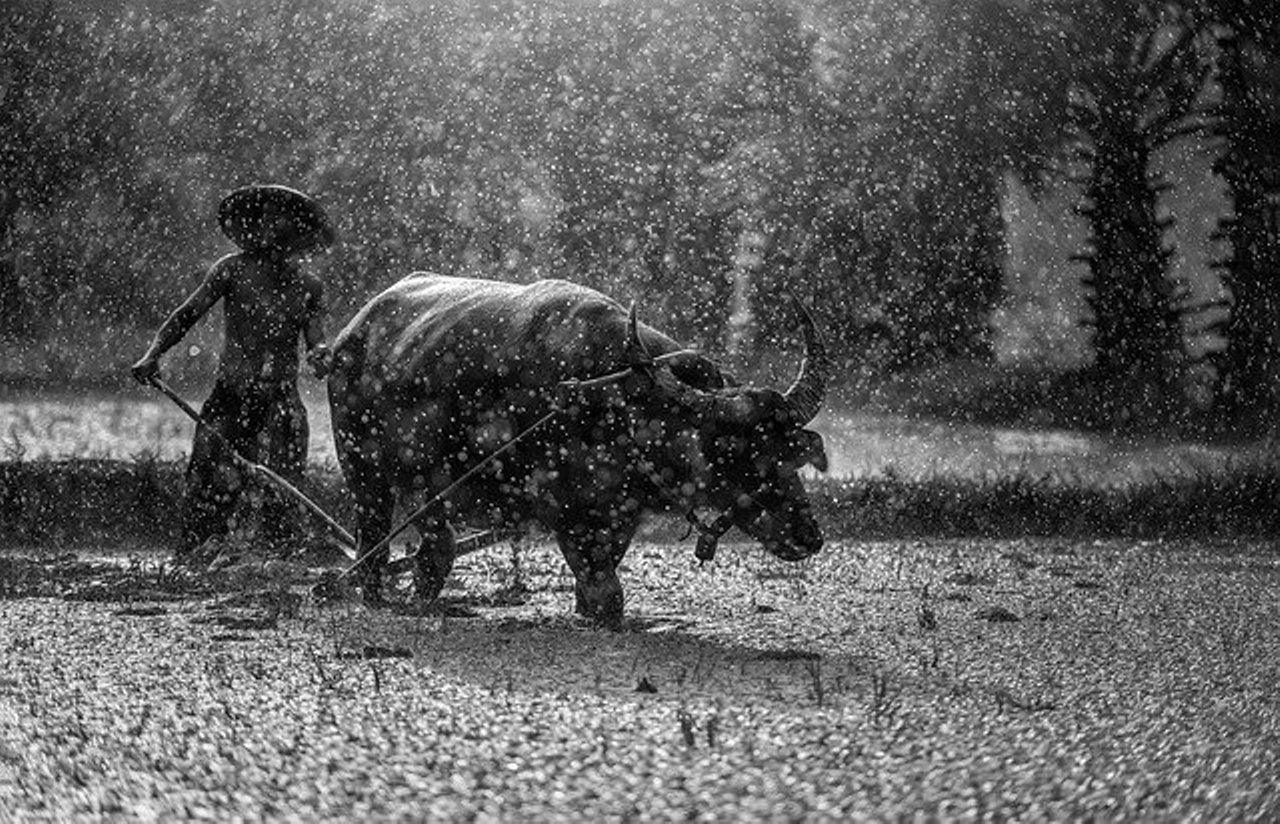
(593, 556)
(374, 505)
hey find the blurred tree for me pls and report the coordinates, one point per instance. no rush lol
(510, 59)
(761, 182)
(58, 132)
(633, 122)
(981, 94)
(895, 153)
(697, 155)
(340, 99)
(1139, 79)
(1247, 34)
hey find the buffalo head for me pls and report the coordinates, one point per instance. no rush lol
(742, 447)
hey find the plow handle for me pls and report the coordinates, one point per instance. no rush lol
(347, 538)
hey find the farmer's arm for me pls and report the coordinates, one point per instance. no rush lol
(313, 336)
(180, 322)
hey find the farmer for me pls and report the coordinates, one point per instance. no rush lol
(267, 303)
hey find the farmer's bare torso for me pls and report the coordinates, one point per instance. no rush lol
(267, 303)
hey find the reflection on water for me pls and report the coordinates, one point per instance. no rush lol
(1055, 442)
(866, 445)
(857, 445)
(65, 427)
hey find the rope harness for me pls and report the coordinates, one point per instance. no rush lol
(566, 391)
(444, 493)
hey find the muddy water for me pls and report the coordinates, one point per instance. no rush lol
(870, 445)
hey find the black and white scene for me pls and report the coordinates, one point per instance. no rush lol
(639, 410)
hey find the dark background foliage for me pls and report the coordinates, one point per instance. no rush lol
(697, 156)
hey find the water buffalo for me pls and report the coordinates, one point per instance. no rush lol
(435, 373)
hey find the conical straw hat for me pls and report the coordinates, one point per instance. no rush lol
(269, 216)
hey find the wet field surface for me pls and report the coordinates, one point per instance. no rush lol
(1029, 679)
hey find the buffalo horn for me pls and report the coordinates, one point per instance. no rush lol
(637, 352)
(804, 397)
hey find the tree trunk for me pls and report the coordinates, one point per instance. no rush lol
(14, 321)
(1248, 387)
(1137, 332)
(975, 284)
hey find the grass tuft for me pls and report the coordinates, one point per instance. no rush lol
(1228, 502)
(82, 501)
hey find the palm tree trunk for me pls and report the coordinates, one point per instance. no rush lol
(1249, 366)
(1137, 332)
(14, 321)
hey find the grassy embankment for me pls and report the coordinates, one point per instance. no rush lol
(82, 501)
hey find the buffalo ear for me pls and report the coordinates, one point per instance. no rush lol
(697, 370)
(813, 451)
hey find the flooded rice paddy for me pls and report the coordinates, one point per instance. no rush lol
(52, 425)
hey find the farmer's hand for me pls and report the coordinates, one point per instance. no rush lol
(146, 370)
(321, 359)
